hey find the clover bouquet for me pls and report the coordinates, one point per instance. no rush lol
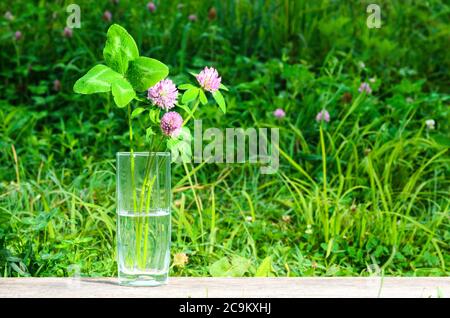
(141, 86)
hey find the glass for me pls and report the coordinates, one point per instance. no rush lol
(143, 217)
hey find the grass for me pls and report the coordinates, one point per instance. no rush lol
(368, 190)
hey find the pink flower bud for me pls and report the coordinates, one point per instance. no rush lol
(18, 35)
(323, 115)
(151, 7)
(365, 87)
(56, 85)
(279, 113)
(68, 32)
(107, 16)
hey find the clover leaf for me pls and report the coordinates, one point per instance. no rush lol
(120, 49)
(125, 71)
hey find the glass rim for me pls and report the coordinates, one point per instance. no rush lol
(144, 153)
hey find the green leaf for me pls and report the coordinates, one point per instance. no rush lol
(190, 95)
(145, 72)
(97, 80)
(185, 134)
(149, 132)
(220, 268)
(203, 98)
(120, 49)
(141, 99)
(154, 116)
(181, 146)
(18, 269)
(186, 109)
(137, 112)
(123, 92)
(265, 269)
(240, 266)
(442, 140)
(172, 142)
(186, 86)
(223, 268)
(223, 87)
(220, 101)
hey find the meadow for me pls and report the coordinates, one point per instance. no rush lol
(364, 193)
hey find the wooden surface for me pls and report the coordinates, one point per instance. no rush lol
(230, 287)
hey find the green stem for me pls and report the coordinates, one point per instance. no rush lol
(196, 199)
(212, 235)
(133, 183)
(197, 102)
(147, 170)
(324, 176)
(149, 194)
(133, 187)
(146, 187)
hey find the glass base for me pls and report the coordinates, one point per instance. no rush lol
(142, 280)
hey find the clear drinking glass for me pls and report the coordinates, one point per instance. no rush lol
(143, 217)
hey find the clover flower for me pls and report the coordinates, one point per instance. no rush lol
(430, 123)
(323, 115)
(365, 87)
(18, 35)
(107, 16)
(309, 229)
(171, 124)
(209, 79)
(192, 17)
(9, 16)
(56, 85)
(163, 94)
(279, 113)
(212, 14)
(68, 32)
(180, 259)
(347, 98)
(151, 7)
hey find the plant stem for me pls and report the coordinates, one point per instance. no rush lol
(149, 194)
(196, 199)
(197, 102)
(146, 191)
(133, 187)
(147, 169)
(133, 183)
(212, 235)
(324, 176)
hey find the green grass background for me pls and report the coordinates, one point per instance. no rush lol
(367, 195)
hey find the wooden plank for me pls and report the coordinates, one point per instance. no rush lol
(330, 287)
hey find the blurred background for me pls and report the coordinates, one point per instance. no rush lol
(368, 196)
